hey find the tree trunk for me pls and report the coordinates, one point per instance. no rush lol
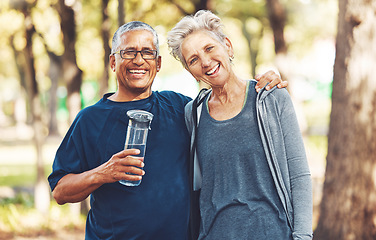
(198, 5)
(277, 19)
(72, 73)
(121, 12)
(20, 63)
(105, 33)
(253, 44)
(54, 73)
(41, 192)
(348, 206)
(203, 5)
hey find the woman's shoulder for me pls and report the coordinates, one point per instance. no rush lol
(274, 93)
(280, 92)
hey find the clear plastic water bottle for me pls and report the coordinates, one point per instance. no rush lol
(137, 133)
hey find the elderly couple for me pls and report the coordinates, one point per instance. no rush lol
(248, 169)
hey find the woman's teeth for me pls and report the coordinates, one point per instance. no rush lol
(212, 70)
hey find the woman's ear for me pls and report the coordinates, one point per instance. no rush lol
(230, 49)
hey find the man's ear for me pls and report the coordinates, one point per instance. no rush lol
(159, 63)
(112, 62)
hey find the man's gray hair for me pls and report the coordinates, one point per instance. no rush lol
(203, 20)
(132, 26)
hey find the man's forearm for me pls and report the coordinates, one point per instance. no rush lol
(75, 187)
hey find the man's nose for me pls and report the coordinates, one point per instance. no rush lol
(138, 59)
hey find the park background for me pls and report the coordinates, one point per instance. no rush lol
(54, 62)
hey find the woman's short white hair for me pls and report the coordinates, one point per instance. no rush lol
(203, 20)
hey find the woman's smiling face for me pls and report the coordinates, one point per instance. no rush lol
(207, 59)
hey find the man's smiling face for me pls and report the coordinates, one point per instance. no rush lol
(135, 76)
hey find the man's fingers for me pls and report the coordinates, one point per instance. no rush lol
(271, 79)
(275, 80)
(132, 170)
(132, 161)
(283, 84)
(131, 173)
(269, 75)
(124, 165)
(128, 152)
(132, 177)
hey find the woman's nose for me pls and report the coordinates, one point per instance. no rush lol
(205, 61)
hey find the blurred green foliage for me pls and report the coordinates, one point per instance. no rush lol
(23, 199)
(20, 175)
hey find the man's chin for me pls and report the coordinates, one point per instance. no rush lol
(141, 89)
(137, 86)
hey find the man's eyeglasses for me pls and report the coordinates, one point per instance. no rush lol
(131, 54)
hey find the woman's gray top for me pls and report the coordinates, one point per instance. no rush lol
(255, 177)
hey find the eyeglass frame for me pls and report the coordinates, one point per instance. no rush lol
(135, 52)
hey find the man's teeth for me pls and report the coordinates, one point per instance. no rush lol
(137, 71)
(213, 70)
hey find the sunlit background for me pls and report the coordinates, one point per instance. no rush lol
(309, 33)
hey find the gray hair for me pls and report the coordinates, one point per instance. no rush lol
(132, 26)
(202, 20)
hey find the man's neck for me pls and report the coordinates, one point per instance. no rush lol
(129, 96)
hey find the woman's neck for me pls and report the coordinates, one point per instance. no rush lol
(230, 91)
(226, 102)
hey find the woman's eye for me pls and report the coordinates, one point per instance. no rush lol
(209, 48)
(192, 61)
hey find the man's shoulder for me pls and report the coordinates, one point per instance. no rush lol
(171, 94)
(92, 111)
(173, 97)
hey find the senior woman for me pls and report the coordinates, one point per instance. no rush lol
(255, 181)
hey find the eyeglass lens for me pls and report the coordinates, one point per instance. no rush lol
(145, 54)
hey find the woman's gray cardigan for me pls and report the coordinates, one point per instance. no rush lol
(285, 153)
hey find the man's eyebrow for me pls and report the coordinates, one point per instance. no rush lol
(135, 48)
(147, 48)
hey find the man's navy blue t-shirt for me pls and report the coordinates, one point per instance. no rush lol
(159, 207)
